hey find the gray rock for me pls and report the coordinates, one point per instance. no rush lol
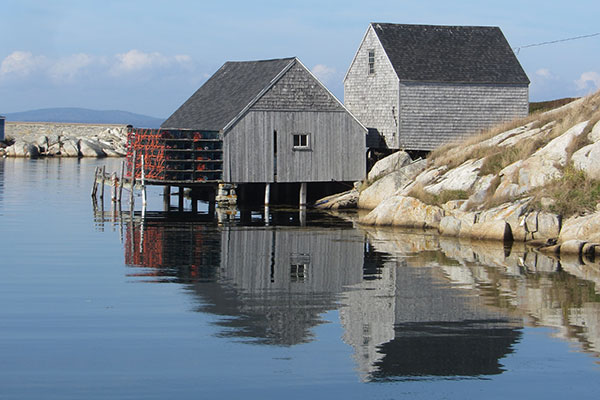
(449, 226)
(462, 177)
(572, 247)
(69, 147)
(496, 229)
(587, 159)
(406, 212)
(88, 148)
(388, 185)
(581, 228)
(389, 164)
(594, 135)
(343, 200)
(543, 165)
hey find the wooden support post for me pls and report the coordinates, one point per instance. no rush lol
(266, 216)
(167, 198)
(131, 198)
(144, 202)
(180, 198)
(120, 192)
(194, 196)
(302, 201)
(114, 188)
(211, 203)
(95, 186)
(302, 215)
(102, 182)
(267, 194)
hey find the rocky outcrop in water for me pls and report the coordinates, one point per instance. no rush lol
(65, 140)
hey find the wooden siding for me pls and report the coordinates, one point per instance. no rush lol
(337, 147)
(373, 98)
(256, 260)
(432, 114)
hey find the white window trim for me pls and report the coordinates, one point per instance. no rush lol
(302, 147)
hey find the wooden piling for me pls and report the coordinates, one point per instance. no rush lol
(267, 194)
(180, 205)
(114, 188)
(95, 185)
(131, 198)
(102, 182)
(144, 202)
(302, 194)
(167, 198)
(121, 181)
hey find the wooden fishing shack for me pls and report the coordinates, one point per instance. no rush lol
(269, 128)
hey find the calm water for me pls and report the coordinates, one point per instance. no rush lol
(97, 303)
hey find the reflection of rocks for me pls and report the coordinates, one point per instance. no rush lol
(560, 294)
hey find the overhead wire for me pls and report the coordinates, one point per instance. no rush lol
(518, 49)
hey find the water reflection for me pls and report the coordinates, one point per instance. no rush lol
(411, 304)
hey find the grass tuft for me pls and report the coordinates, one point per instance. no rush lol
(573, 193)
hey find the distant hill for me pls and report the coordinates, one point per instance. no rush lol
(85, 116)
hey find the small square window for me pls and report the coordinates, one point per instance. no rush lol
(301, 141)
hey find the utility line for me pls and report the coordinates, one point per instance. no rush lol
(518, 49)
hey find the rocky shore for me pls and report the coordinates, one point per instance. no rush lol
(536, 181)
(64, 140)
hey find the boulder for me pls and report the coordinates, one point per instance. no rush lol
(495, 229)
(594, 135)
(547, 225)
(586, 159)
(389, 164)
(543, 165)
(23, 149)
(404, 211)
(388, 185)
(462, 177)
(69, 147)
(581, 228)
(572, 246)
(449, 226)
(348, 199)
(89, 148)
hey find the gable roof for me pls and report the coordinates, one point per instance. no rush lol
(226, 94)
(466, 54)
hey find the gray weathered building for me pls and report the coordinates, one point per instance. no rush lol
(419, 86)
(278, 124)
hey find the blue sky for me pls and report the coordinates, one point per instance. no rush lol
(150, 56)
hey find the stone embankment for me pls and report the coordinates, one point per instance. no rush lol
(41, 139)
(536, 182)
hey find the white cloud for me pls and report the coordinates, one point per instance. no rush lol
(544, 73)
(21, 63)
(588, 80)
(67, 68)
(323, 72)
(135, 60)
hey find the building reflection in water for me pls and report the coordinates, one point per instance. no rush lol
(271, 285)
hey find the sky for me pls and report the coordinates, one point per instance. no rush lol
(148, 57)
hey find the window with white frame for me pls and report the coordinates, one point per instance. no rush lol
(371, 61)
(301, 141)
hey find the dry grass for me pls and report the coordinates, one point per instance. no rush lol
(574, 193)
(443, 197)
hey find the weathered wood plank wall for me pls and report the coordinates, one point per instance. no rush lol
(336, 148)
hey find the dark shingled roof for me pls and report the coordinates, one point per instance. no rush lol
(226, 94)
(468, 54)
